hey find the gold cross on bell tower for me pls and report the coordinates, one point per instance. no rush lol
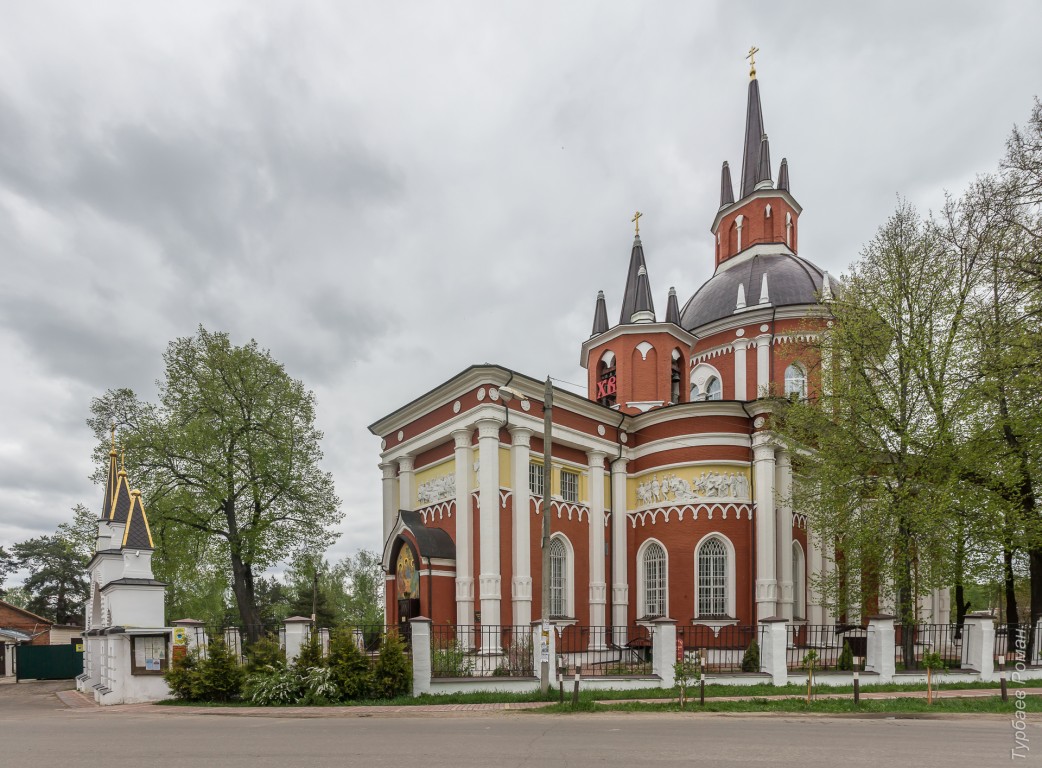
(753, 50)
(636, 221)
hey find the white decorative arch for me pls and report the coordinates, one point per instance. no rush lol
(569, 573)
(608, 358)
(642, 608)
(729, 572)
(700, 377)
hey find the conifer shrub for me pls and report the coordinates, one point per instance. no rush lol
(310, 655)
(846, 658)
(265, 652)
(216, 676)
(349, 668)
(751, 659)
(392, 675)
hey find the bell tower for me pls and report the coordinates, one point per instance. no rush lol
(640, 363)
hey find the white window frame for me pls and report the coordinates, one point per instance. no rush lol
(570, 494)
(568, 574)
(642, 585)
(709, 388)
(536, 478)
(700, 377)
(801, 378)
(729, 576)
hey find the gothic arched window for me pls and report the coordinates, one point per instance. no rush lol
(714, 389)
(653, 569)
(559, 573)
(798, 585)
(712, 578)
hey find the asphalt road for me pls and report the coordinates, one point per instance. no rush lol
(36, 729)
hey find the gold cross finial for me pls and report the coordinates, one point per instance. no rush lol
(753, 50)
(636, 221)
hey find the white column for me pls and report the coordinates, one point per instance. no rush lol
(815, 571)
(978, 643)
(521, 562)
(740, 389)
(406, 483)
(464, 531)
(598, 594)
(763, 496)
(763, 364)
(620, 557)
(390, 508)
(783, 480)
(488, 509)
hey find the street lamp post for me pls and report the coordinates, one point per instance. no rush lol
(544, 614)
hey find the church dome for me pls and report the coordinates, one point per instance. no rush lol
(790, 280)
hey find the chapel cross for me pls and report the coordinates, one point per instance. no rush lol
(753, 50)
(636, 221)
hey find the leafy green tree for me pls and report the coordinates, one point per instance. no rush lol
(229, 454)
(7, 566)
(310, 583)
(363, 577)
(57, 585)
(392, 675)
(273, 601)
(350, 667)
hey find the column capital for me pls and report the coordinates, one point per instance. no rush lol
(596, 458)
(463, 437)
(763, 442)
(406, 463)
(488, 428)
(390, 469)
(763, 340)
(618, 466)
(782, 456)
(521, 436)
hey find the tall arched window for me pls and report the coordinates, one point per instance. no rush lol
(798, 585)
(653, 568)
(607, 382)
(712, 578)
(675, 377)
(714, 390)
(795, 382)
(696, 393)
(558, 577)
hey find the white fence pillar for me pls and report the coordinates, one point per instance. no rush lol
(323, 638)
(773, 649)
(296, 635)
(1036, 641)
(664, 650)
(537, 648)
(421, 655)
(978, 644)
(880, 647)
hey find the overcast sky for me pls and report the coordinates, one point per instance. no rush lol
(386, 193)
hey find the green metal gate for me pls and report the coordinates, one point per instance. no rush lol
(48, 662)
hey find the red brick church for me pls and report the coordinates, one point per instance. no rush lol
(670, 497)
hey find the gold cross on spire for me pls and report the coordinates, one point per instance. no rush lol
(636, 221)
(753, 50)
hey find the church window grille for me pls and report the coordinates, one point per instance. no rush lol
(569, 486)
(654, 565)
(535, 479)
(712, 579)
(795, 382)
(714, 390)
(558, 577)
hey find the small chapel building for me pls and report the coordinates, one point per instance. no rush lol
(670, 496)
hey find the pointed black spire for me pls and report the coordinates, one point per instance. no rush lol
(600, 316)
(753, 136)
(137, 534)
(672, 307)
(783, 175)
(763, 176)
(110, 482)
(644, 307)
(629, 296)
(726, 188)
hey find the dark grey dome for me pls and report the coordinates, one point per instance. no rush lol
(790, 280)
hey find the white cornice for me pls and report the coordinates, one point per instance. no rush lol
(704, 440)
(642, 329)
(761, 314)
(688, 411)
(759, 249)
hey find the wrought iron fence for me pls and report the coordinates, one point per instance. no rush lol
(593, 649)
(723, 650)
(826, 647)
(481, 651)
(1017, 643)
(913, 642)
(368, 638)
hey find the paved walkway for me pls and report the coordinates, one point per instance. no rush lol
(76, 700)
